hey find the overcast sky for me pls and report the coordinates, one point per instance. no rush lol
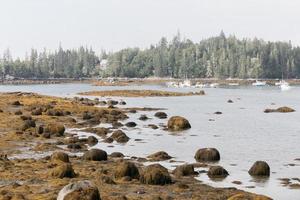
(116, 24)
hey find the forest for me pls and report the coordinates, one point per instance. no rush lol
(216, 57)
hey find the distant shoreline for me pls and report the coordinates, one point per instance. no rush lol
(140, 81)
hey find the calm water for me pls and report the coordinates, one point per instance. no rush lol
(243, 133)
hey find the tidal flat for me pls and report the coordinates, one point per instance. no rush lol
(138, 130)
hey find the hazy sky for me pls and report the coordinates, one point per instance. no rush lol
(115, 24)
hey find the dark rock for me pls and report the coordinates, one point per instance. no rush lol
(178, 123)
(153, 126)
(155, 175)
(116, 155)
(130, 124)
(18, 112)
(16, 103)
(184, 170)
(37, 111)
(218, 113)
(207, 154)
(229, 101)
(74, 146)
(120, 137)
(161, 115)
(159, 156)
(91, 140)
(55, 129)
(60, 156)
(26, 117)
(260, 168)
(95, 155)
(63, 170)
(143, 117)
(217, 172)
(126, 168)
(39, 129)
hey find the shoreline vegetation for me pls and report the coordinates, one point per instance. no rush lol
(33, 124)
(141, 81)
(218, 57)
(140, 93)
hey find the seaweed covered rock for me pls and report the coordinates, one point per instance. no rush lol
(184, 170)
(60, 156)
(63, 171)
(143, 117)
(120, 137)
(177, 123)
(116, 155)
(92, 140)
(29, 123)
(55, 129)
(155, 175)
(207, 154)
(247, 196)
(159, 156)
(283, 109)
(161, 115)
(127, 169)
(260, 168)
(82, 190)
(217, 172)
(95, 155)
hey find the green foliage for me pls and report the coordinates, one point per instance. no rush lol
(216, 57)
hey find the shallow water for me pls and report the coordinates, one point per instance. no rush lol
(243, 133)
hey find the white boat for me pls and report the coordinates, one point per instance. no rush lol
(233, 84)
(201, 85)
(259, 83)
(172, 84)
(284, 85)
(214, 85)
(185, 83)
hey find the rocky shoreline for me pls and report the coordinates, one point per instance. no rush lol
(70, 168)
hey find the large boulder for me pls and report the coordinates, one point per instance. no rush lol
(60, 156)
(155, 175)
(260, 168)
(63, 170)
(159, 156)
(184, 170)
(177, 123)
(82, 190)
(217, 172)
(95, 155)
(55, 129)
(127, 169)
(207, 154)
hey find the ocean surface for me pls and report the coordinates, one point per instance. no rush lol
(243, 134)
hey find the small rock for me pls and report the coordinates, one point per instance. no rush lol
(95, 155)
(161, 115)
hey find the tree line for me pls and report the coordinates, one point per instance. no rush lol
(216, 57)
(62, 63)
